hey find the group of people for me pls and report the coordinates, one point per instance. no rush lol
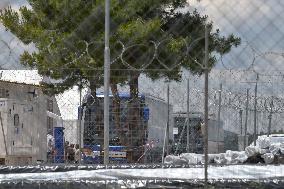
(72, 153)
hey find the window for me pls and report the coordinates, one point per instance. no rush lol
(49, 119)
(16, 120)
(49, 125)
(4, 93)
(49, 105)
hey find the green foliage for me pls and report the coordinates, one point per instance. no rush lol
(62, 30)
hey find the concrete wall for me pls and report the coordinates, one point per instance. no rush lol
(3, 127)
(28, 139)
(25, 139)
(157, 123)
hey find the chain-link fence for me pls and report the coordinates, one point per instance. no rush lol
(159, 54)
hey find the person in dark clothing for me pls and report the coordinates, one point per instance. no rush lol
(71, 154)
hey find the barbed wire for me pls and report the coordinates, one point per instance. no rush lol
(236, 76)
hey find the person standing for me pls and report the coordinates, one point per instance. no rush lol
(66, 146)
(71, 154)
(50, 151)
(77, 153)
(50, 148)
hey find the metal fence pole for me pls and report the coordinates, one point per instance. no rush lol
(270, 118)
(255, 103)
(206, 70)
(80, 123)
(168, 119)
(166, 136)
(164, 146)
(106, 82)
(246, 120)
(241, 122)
(269, 124)
(187, 111)
(219, 117)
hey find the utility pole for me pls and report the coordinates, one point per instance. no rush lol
(219, 117)
(246, 120)
(187, 128)
(255, 104)
(106, 82)
(206, 73)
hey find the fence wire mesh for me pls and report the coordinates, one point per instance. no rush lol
(52, 100)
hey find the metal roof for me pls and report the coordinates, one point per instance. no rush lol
(25, 77)
(121, 95)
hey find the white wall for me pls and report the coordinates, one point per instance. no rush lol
(32, 130)
(3, 105)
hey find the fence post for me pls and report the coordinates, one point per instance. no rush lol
(168, 120)
(219, 117)
(80, 122)
(241, 121)
(206, 70)
(106, 82)
(270, 117)
(187, 126)
(166, 136)
(246, 119)
(255, 103)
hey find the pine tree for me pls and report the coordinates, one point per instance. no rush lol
(69, 38)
